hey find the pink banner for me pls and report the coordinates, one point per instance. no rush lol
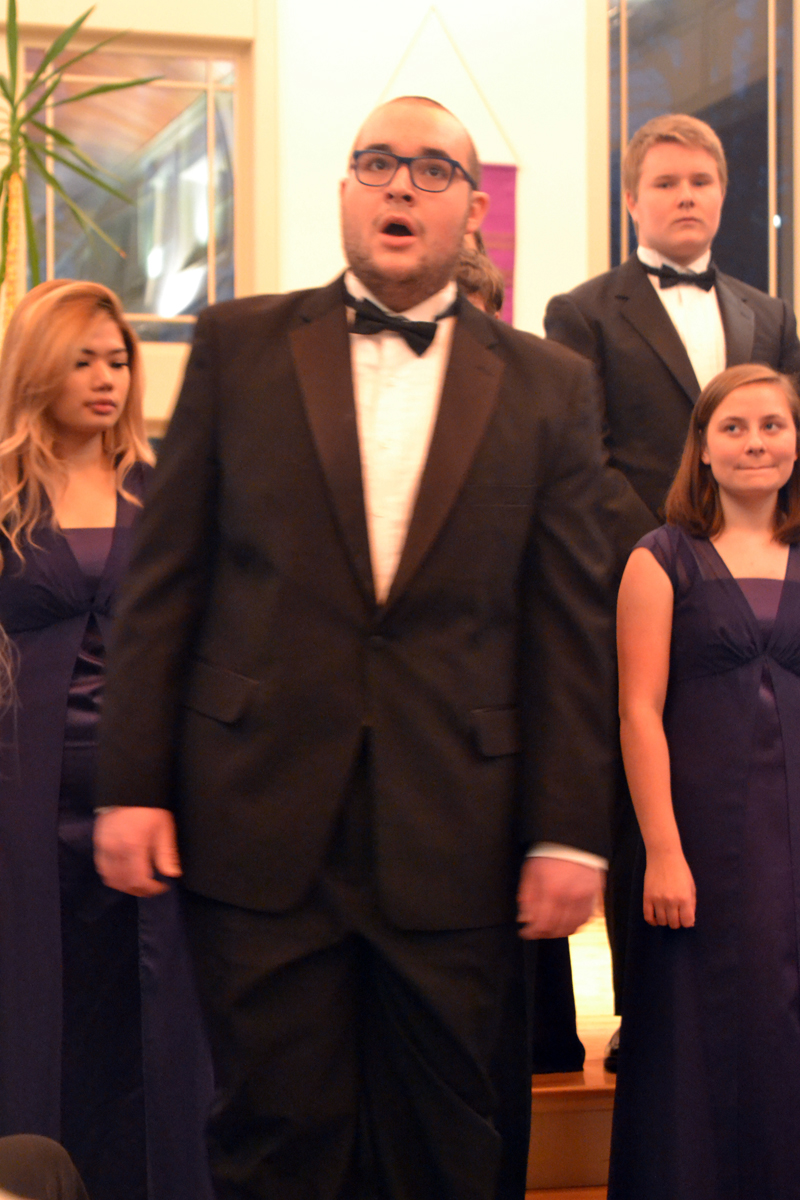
(500, 227)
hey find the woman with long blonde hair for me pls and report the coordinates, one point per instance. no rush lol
(100, 1042)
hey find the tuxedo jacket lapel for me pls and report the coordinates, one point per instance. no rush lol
(469, 397)
(738, 321)
(321, 352)
(321, 355)
(641, 307)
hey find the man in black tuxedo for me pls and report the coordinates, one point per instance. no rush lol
(658, 328)
(363, 664)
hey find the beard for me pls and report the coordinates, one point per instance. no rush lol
(401, 289)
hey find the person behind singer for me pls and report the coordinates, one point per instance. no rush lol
(658, 328)
(478, 277)
(551, 1017)
(709, 668)
(100, 1040)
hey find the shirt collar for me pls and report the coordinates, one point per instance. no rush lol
(427, 310)
(653, 259)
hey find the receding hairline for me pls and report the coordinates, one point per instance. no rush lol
(472, 164)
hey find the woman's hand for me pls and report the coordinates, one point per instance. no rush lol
(669, 891)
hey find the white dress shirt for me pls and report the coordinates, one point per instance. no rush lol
(694, 313)
(397, 395)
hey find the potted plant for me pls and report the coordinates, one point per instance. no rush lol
(31, 144)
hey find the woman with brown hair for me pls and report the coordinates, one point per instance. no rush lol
(708, 1086)
(100, 1043)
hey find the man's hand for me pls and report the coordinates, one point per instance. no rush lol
(555, 896)
(131, 844)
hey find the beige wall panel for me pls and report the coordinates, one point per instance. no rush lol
(164, 365)
(183, 18)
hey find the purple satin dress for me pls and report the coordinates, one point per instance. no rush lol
(102, 1082)
(708, 1087)
(101, 1045)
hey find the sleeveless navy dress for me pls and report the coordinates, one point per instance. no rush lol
(708, 1086)
(101, 1045)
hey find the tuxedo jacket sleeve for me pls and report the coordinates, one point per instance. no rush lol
(250, 656)
(618, 322)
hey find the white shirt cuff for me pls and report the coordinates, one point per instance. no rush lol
(569, 854)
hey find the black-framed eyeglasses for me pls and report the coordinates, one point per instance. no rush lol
(429, 172)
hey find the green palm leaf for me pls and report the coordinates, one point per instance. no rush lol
(61, 139)
(12, 42)
(21, 118)
(92, 176)
(69, 146)
(55, 48)
(36, 79)
(30, 233)
(84, 220)
(22, 114)
(106, 87)
(4, 178)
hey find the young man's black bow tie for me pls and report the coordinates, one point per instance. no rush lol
(371, 319)
(669, 277)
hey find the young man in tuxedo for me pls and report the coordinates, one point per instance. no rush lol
(658, 328)
(363, 666)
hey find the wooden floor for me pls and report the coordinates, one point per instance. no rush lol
(591, 970)
(597, 1193)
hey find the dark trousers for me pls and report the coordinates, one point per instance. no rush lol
(38, 1169)
(553, 1026)
(622, 902)
(356, 1060)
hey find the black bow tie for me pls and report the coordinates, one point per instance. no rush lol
(668, 277)
(371, 319)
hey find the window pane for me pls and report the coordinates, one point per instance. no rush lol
(118, 65)
(223, 73)
(223, 195)
(163, 331)
(710, 59)
(158, 150)
(154, 139)
(784, 58)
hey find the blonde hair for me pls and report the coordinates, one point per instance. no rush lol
(671, 127)
(479, 276)
(39, 351)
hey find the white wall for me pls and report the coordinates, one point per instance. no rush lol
(515, 71)
(516, 77)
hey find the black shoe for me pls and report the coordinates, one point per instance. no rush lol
(612, 1053)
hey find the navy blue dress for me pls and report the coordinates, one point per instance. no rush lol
(708, 1086)
(101, 1045)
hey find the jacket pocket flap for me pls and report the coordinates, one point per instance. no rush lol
(218, 693)
(496, 731)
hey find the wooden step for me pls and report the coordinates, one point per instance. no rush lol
(591, 1193)
(571, 1124)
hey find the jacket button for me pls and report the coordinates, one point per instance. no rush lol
(377, 640)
